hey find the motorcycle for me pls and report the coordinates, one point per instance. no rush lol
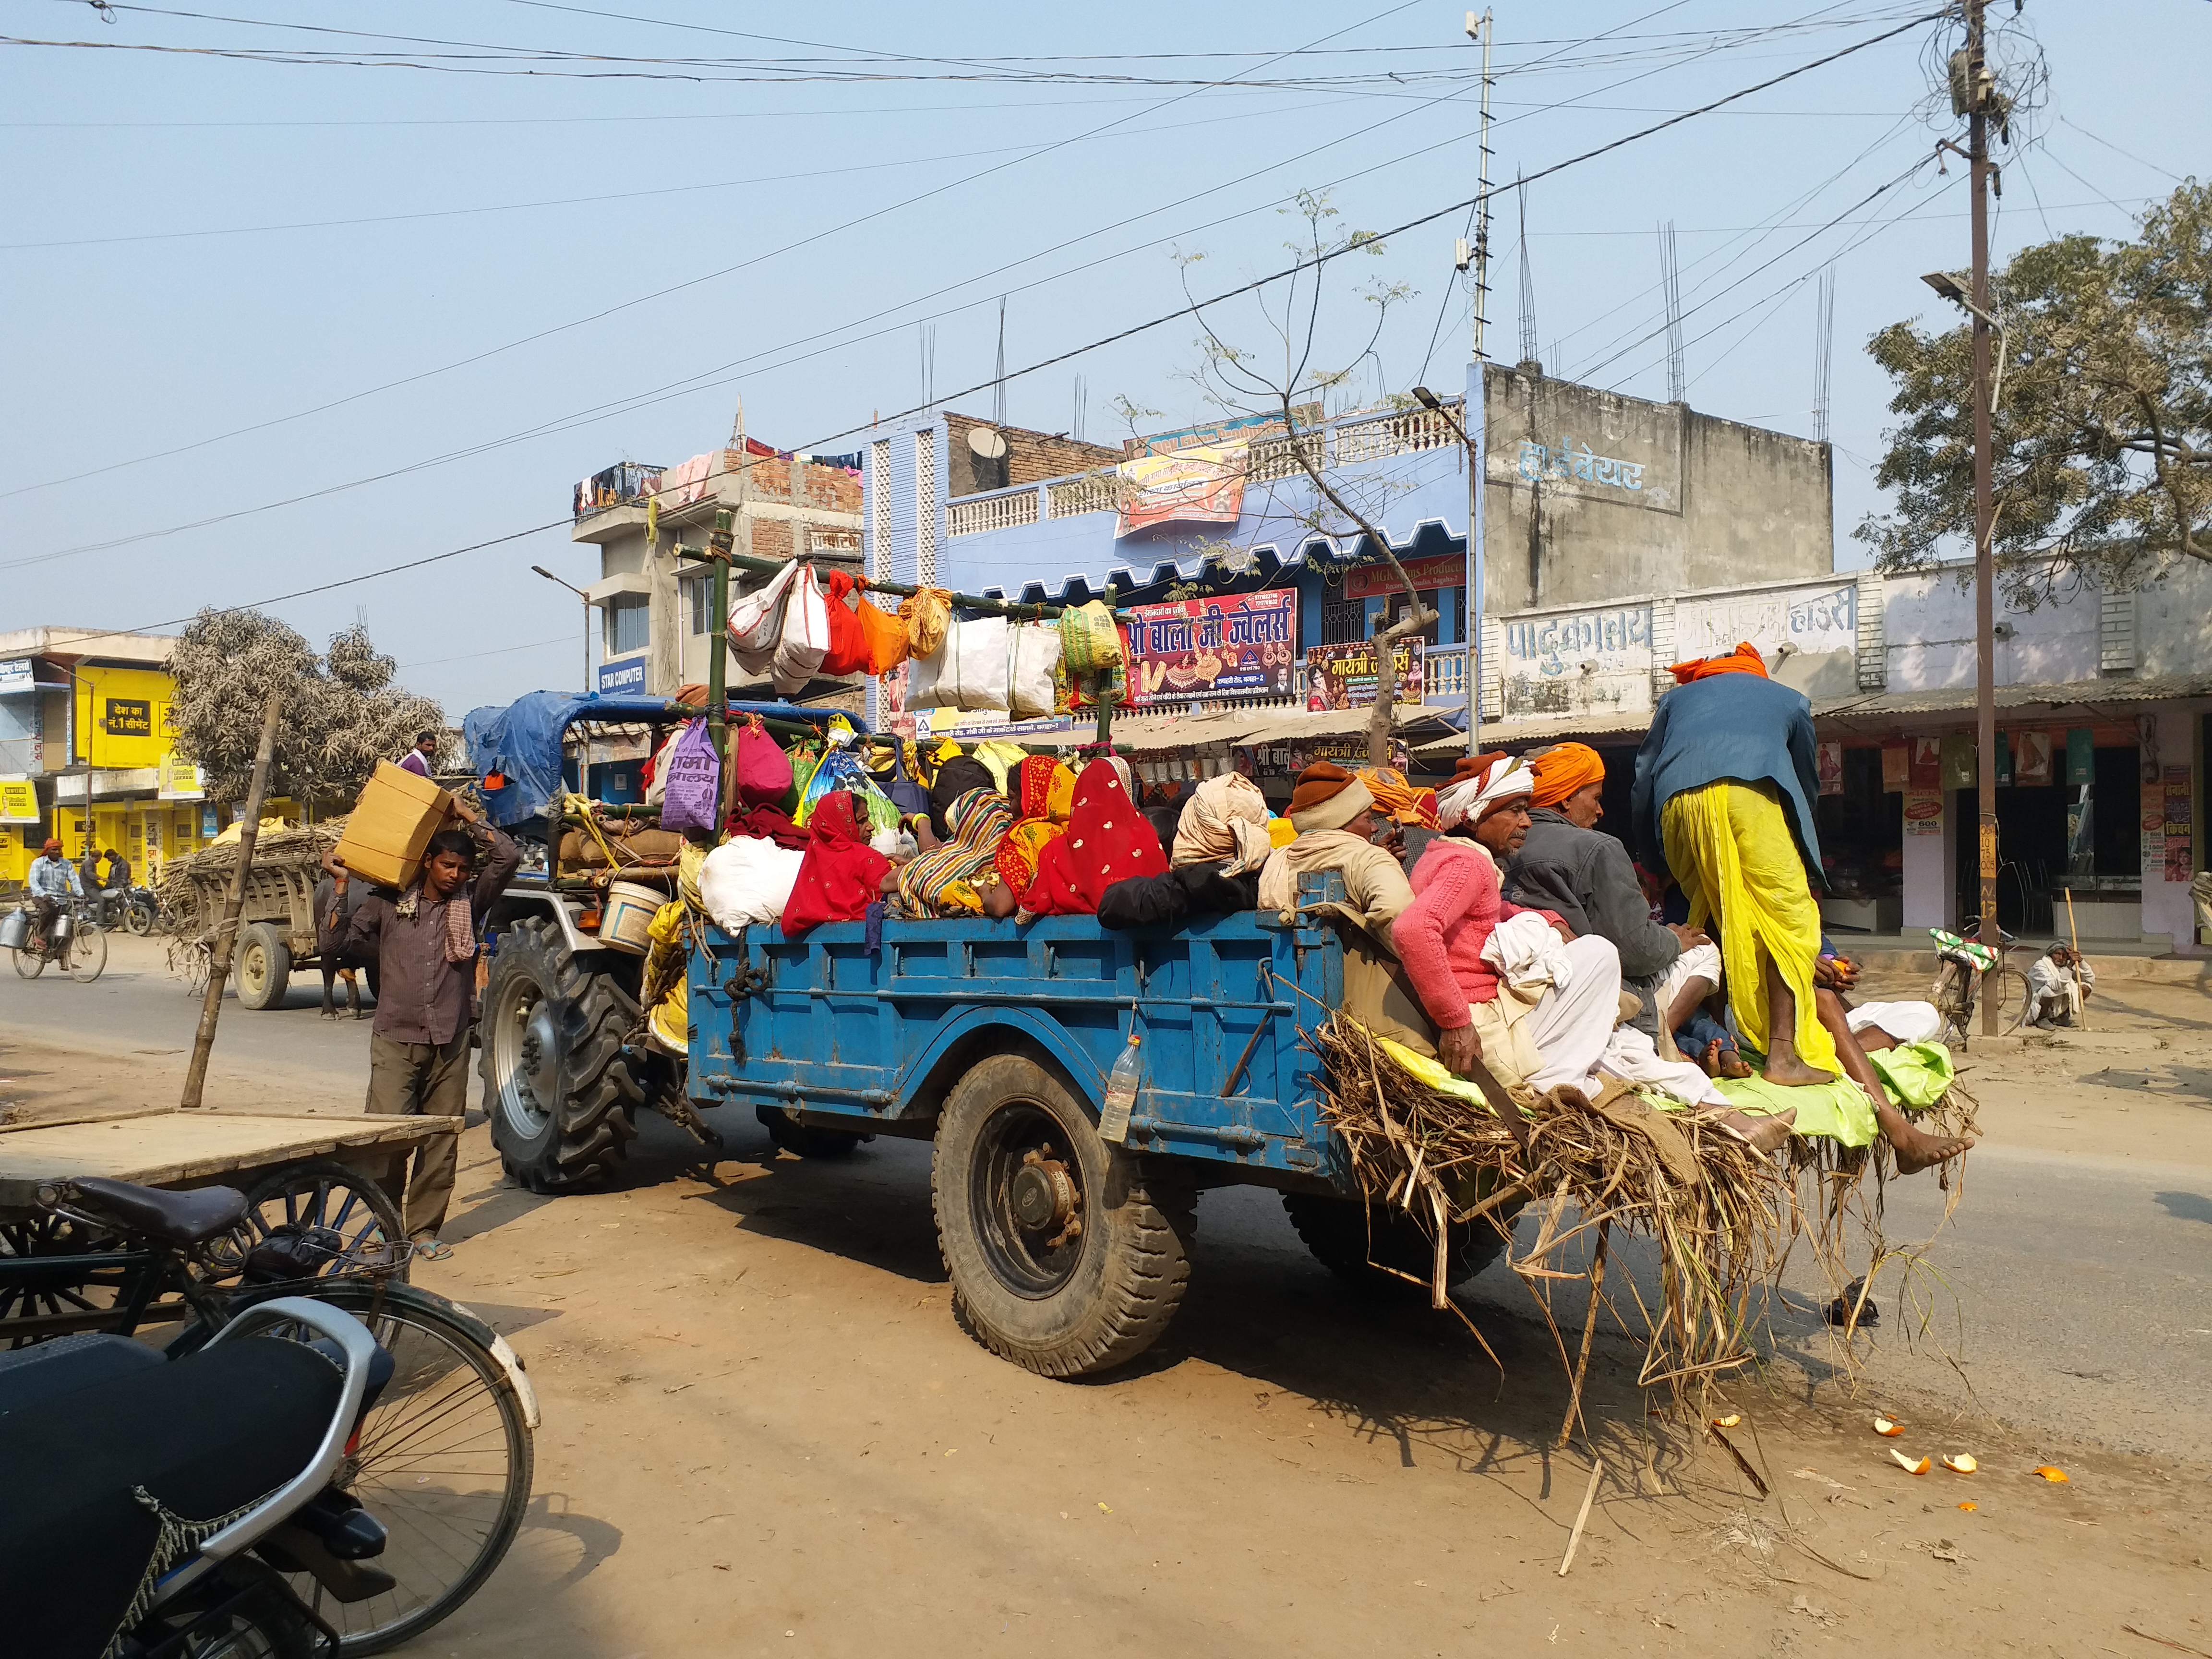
(156, 1504)
(135, 909)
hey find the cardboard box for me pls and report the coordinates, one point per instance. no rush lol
(392, 823)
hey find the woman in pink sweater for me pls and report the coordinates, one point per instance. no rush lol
(1552, 1037)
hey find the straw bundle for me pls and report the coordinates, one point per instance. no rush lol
(1722, 1216)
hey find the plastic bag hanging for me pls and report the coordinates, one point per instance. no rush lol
(757, 623)
(692, 798)
(806, 636)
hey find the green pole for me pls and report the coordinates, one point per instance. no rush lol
(718, 646)
(1104, 685)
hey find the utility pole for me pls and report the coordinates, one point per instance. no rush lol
(1979, 89)
(1471, 610)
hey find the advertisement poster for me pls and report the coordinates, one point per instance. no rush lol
(1828, 763)
(2031, 758)
(1926, 767)
(2180, 826)
(19, 801)
(1923, 811)
(2080, 756)
(1237, 645)
(1205, 485)
(2153, 825)
(1343, 676)
(1896, 767)
(1961, 767)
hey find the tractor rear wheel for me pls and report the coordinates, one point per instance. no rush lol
(561, 1090)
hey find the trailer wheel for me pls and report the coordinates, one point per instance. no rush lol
(1358, 1241)
(263, 973)
(559, 1087)
(1063, 1259)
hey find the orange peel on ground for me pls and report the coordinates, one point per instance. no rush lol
(1960, 1462)
(1883, 1426)
(1911, 1467)
(1729, 1421)
(2056, 1476)
(1970, 1506)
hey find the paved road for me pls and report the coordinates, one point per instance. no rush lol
(2071, 1287)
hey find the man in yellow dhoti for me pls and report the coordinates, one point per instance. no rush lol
(1724, 787)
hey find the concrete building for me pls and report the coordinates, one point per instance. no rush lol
(86, 754)
(653, 625)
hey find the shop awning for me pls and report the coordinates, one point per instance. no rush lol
(1142, 733)
(2066, 694)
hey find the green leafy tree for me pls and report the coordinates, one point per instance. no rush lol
(343, 712)
(2103, 432)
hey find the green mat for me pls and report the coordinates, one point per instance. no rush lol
(1916, 1074)
(1839, 1110)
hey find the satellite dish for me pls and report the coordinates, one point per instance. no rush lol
(988, 446)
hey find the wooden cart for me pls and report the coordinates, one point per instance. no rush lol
(303, 1171)
(275, 929)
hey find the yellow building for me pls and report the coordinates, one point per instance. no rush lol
(86, 751)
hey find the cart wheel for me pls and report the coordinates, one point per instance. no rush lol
(316, 1218)
(1063, 1259)
(264, 967)
(75, 1290)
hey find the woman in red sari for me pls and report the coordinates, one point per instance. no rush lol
(840, 875)
(1107, 840)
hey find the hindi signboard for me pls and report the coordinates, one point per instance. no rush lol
(1202, 485)
(1343, 676)
(1228, 644)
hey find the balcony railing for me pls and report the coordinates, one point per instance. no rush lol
(1349, 442)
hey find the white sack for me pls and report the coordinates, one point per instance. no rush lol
(756, 623)
(806, 636)
(748, 879)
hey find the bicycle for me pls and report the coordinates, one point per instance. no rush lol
(1961, 966)
(73, 937)
(444, 1458)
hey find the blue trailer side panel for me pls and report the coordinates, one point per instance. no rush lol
(824, 1024)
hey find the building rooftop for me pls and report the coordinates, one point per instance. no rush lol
(78, 643)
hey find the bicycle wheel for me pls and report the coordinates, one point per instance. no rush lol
(331, 1218)
(443, 1459)
(30, 961)
(87, 955)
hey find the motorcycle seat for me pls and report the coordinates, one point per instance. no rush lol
(179, 1217)
(46, 1370)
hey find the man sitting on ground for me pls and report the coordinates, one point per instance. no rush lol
(2058, 983)
(1335, 815)
(1724, 786)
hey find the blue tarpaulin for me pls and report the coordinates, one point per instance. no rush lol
(521, 741)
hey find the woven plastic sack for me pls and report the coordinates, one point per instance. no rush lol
(764, 769)
(757, 623)
(804, 759)
(659, 786)
(888, 644)
(748, 880)
(692, 797)
(1089, 639)
(849, 640)
(806, 636)
(927, 614)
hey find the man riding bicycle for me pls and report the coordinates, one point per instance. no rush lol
(52, 881)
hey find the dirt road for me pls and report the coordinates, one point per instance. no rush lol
(764, 1434)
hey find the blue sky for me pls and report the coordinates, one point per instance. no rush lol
(485, 285)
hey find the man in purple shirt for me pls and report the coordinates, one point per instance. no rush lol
(419, 759)
(424, 942)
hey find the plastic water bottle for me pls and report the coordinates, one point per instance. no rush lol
(1121, 1093)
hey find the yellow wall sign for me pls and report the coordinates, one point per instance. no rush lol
(19, 801)
(122, 715)
(179, 779)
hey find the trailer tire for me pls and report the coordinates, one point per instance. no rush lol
(583, 1134)
(264, 971)
(1337, 1232)
(1055, 1304)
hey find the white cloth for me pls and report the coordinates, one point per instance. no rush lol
(1570, 1024)
(1698, 961)
(1632, 1057)
(1528, 951)
(748, 880)
(1907, 1022)
(1468, 800)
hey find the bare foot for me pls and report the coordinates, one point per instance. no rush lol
(1917, 1148)
(1761, 1134)
(1727, 1062)
(1794, 1073)
(1711, 1060)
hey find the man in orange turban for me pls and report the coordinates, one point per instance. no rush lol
(1744, 659)
(1571, 777)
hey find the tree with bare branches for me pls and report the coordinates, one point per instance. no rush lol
(1288, 384)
